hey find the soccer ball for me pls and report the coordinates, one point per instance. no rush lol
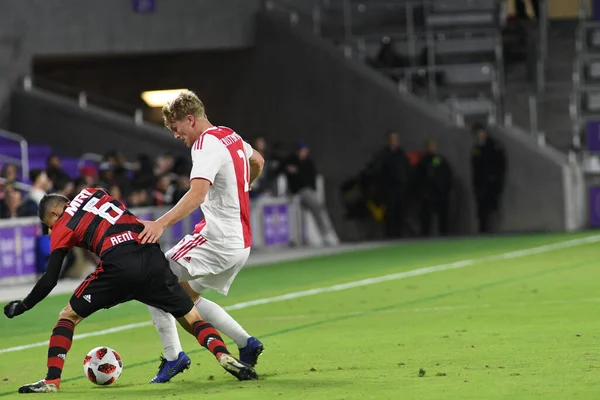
(102, 366)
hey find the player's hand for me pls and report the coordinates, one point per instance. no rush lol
(14, 308)
(152, 231)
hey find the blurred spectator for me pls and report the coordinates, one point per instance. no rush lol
(164, 166)
(64, 187)
(12, 204)
(182, 166)
(143, 175)
(433, 178)
(301, 174)
(488, 168)
(183, 185)
(54, 169)
(9, 175)
(394, 169)
(278, 154)
(111, 158)
(80, 184)
(388, 57)
(115, 191)
(163, 191)
(89, 176)
(40, 185)
(106, 176)
(138, 198)
(114, 161)
(265, 183)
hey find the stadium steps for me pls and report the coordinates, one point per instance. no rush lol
(553, 104)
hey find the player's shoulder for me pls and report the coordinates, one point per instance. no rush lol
(214, 137)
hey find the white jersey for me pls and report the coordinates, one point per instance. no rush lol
(221, 157)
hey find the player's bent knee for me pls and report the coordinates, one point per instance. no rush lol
(188, 320)
(191, 292)
(70, 314)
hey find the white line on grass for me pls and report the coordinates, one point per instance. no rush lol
(81, 336)
(364, 282)
(427, 309)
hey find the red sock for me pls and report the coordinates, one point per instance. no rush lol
(60, 344)
(208, 337)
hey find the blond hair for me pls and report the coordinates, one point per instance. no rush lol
(186, 103)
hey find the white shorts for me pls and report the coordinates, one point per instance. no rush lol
(204, 265)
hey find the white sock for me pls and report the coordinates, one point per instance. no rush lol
(222, 321)
(167, 329)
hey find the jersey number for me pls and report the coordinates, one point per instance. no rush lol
(242, 155)
(104, 211)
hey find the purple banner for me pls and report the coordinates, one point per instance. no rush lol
(177, 232)
(144, 216)
(276, 224)
(196, 216)
(593, 136)
(17, 250)
(595, 206)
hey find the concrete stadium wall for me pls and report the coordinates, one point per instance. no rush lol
(59, 122)
(70, 27)
(109, 26)
(534, 197)
(306, 89)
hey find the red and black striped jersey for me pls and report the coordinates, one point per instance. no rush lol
(95, 221)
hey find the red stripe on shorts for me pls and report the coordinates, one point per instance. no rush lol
(199, 241)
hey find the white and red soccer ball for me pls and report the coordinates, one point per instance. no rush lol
(102, 366)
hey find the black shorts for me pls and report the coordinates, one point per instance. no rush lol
(141, 274)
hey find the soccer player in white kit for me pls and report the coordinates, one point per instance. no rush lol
(224, 167)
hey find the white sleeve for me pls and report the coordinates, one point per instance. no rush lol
(208, 159)
(248, 149)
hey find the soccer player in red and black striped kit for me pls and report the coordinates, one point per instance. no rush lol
(128, 270)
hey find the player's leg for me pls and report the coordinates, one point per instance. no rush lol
(58, 347)
(166, 326)
(94, 293)
(175, 361)
(214, 267)
(217, 316)
(164, 291)
(209, 338)
(202, 260)
(249, 346)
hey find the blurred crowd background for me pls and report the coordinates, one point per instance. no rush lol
(394, 184)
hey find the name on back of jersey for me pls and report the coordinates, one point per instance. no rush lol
(77, 202)
(230, 139)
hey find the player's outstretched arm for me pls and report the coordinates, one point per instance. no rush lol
(184, 207)
(257, 163)
(42, 288)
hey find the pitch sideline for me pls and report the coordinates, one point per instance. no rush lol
(349, 285)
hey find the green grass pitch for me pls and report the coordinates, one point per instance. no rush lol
(517, 328)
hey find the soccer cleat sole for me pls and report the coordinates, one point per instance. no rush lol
(240, 370)
(47, 388)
